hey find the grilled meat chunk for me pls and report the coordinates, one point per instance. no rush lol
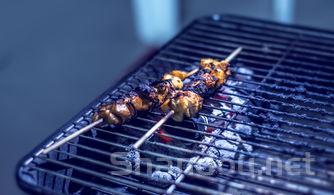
(179, 73)
(147, 92)
(217, 68)
(116, 112)
(164, 91)
(184, 104)
(137, 102)
(105, 113)
(176, 81)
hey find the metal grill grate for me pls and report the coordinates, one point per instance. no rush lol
(278, 103)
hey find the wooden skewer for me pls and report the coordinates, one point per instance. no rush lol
(70, 137)
(170, 113)
(152, 130)
(83, 130)
(192, 72)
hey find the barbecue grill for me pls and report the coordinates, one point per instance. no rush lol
(277, 105)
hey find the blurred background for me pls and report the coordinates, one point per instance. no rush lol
(57, 56)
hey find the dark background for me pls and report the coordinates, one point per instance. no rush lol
(57, 56)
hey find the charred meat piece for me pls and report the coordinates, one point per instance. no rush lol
(147, 92)
(203, 83)
(105, 113)
(184, 104)
(164, 90)
(217, 68)
(142, 99)
(137, 102)
(116, 113)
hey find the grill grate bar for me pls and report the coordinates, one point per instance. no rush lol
(278, 121)
(208, 45)
(283, 88)
(284, 96)
(273, 136)
(248, 154)
(294, 106)
(326, 140)
(280, 80)
(177, 50)
(256, 40)
(117, 180)
(290, 105)
(310, 36)
(265, 35)
(170, 157)
(188, 186)
(205, 38)
(286, 151)
(165, 145)
(205, 32)
(79, 181)
(294, 115)
(281, 103)
(280, 73)
(244, 35)
(293, 124)
(162, 167)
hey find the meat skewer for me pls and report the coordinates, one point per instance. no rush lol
(187, 103)
(143, 98)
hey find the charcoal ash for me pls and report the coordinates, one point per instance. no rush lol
(161, 176)
(242, 128)
(174, 171)
(213, 152)
(232, 146)
(206, 165)
(170, 175)
(132, 158)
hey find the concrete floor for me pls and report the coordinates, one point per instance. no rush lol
(56, 56)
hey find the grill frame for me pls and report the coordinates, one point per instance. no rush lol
(24, 182)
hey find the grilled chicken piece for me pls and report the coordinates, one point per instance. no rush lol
(203, 83)
(138, 103)
(105, 113)
(217, 68)
(116, 113)
(147, 92)
(209, 80)
(180, 74)
(184, 104)
(213, 64)
(142, 99)
(176, 81)
(164, 90)
(124, 111)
